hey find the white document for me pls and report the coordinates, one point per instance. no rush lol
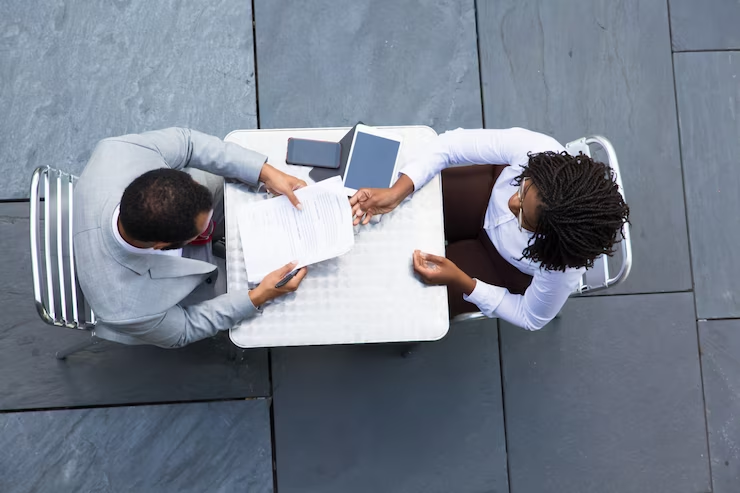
(274, 232)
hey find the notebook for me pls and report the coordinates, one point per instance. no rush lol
(274, 232)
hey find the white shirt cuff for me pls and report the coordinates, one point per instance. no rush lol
(486, 297)
(415, 178)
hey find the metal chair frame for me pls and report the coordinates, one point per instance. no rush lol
(598, 277)
(60, 301)
(57, 295)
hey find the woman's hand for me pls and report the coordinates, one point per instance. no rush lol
(267, 291)
(437, 270)
(279, 183)
(370, 201)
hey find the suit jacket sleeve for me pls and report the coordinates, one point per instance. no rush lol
(182, 325)
(182, 147)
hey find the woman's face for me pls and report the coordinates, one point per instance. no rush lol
(525, 204)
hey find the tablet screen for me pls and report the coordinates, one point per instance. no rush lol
(372, 162)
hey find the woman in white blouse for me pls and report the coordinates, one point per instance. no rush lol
(521, 231)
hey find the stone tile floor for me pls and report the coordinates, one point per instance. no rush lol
(637, 390)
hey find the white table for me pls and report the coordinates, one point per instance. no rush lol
(365, 296)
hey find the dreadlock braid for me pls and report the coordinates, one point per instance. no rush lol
(581, 214)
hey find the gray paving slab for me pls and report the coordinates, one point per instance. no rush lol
(365, 419)
(708, 90)
(608, 398)
(218, 446)
(705, 25)
(30, 376)
(720, 355)
(582, 67)
(72, 73)
(328, 63)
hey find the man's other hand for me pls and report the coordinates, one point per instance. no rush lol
(267, 291)
(279, 183)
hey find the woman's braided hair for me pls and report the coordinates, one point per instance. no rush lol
(581, 211)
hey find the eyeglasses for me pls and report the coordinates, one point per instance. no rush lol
(520, 194)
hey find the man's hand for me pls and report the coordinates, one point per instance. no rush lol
(437, 270)
(368, 202)
(267, 291)
(279, 183)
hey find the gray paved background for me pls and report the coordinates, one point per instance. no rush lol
(637, 390)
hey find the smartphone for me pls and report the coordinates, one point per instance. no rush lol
(317, 153)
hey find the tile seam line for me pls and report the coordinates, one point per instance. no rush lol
(254, 59)
(640, 293)
(498, 322)
(503, 404)
(271, 411)
(710, 50)
(134, 404)
(271, 408)
(688, 234)
(480, 70)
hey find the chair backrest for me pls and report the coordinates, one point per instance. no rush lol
(600, 275)
(59, 299)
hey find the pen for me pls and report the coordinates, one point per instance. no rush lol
(285, 280)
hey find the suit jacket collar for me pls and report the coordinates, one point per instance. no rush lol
(157, 266)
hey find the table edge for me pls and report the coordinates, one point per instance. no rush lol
(435, 337)
(389, 127)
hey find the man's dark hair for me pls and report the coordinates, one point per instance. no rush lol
(581, 214)
(162, 205)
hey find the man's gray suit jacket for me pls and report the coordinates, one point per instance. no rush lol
(137, 298)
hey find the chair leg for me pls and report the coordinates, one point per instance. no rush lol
(219, 249)
(408, 348)
(62, 354)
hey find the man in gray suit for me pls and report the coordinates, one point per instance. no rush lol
(139, 203)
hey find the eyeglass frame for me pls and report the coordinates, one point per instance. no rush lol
(520, 194)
